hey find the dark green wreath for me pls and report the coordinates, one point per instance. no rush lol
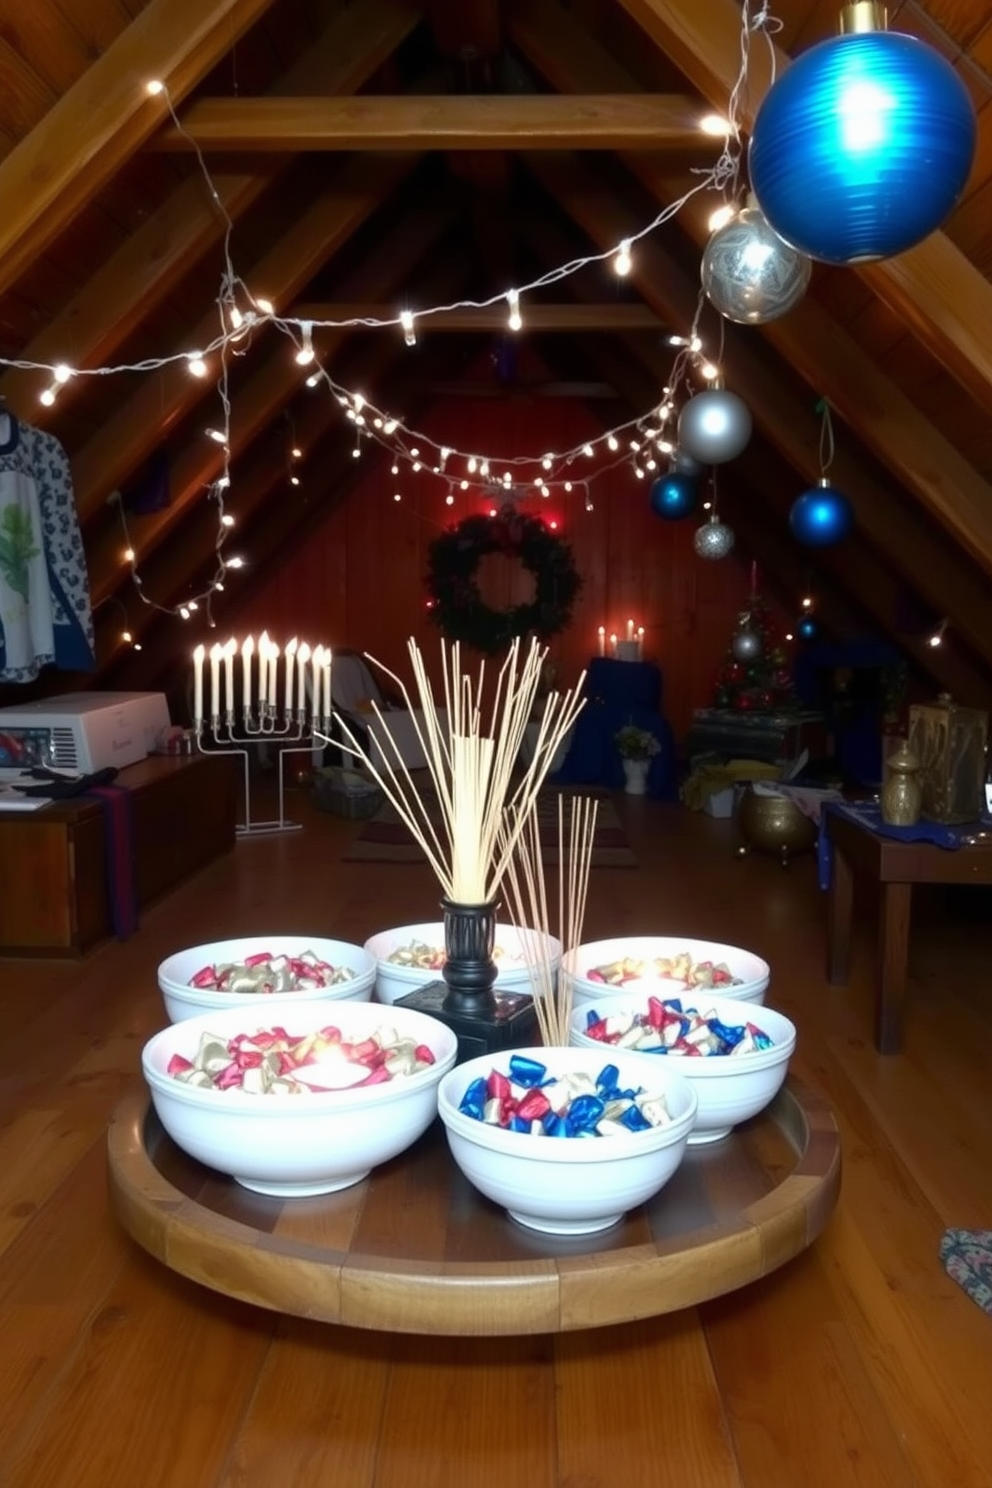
(455, 604)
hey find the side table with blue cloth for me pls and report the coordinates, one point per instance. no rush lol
(619, 693)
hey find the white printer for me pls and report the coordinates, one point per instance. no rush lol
(83, 731)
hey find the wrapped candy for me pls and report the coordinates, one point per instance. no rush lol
(669, 1028)
(530, 1101)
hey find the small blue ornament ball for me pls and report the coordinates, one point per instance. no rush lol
(821, 517)
(674, 496)
(807, 629)
(861, 149)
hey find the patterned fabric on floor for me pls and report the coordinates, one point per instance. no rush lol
(967, 1256)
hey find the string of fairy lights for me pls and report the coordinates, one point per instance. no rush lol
(641, 443)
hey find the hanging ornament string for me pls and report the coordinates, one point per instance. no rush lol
(827, 446)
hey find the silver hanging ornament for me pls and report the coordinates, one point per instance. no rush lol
(714, 539)
(746, 643)
(747, 271)
(714, 426)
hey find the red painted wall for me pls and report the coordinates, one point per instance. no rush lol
(358, 582)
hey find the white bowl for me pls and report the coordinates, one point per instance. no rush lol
(393, 981)
(731, 1087)
(751, 973)
(183, 1001)
(565, 1185)
(292, 1145)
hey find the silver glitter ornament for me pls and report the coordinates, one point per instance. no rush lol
(714, 426)
(746, 645)
(749, 274)
(714, 539)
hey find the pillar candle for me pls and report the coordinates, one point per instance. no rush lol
(640, 643)
(630, 630)
(216, 652)
(263, 666)
(273, 675)
(316, 662)
(247, 652)
(290, 654)
(229, 650)
(302, 657)
(601, 635)
(613, 643)
(198, 656)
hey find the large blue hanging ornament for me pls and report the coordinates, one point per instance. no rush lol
(748, 273)
(807, 629)
(674, 496)
(864, 145)
(821, 516)
(714, 426)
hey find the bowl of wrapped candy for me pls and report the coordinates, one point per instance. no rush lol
(566, 1140)
(666, 965)
(305, 1103)
(734, 1056)
(282, 969)
(413, 955)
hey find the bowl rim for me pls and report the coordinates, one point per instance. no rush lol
(316, 1102)
(632, 943)
(755, 1060)
(623, 1145)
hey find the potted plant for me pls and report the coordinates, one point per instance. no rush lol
(637, 748)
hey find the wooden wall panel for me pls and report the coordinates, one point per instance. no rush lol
(358, 582)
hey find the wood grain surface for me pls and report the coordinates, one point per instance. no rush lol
(857, 1364)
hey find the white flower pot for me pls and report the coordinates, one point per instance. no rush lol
(636, 775)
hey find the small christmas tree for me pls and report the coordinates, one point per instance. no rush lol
(755, 677)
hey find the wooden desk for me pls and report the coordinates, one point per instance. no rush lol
(895, 866)
(55, 898)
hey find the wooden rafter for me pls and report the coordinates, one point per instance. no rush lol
(130, 436)
(150, 262)
(933, 287)
(783, 415)
(483, 122)
(832, 361)
(106, 116)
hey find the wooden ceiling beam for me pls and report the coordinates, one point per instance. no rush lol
(832, 362)
(104, 117)
(152, 260)
(255, 405)
(612, 317)
(306, 245)
(629, 121)
(780, 411)
(933, 287)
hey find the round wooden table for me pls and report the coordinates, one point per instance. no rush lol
(415, 1249)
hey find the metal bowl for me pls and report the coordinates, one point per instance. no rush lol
(774, 824)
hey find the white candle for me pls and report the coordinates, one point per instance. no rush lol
(263, 666)
(198, 656)
(613, 642)
(273, 678)
(316, 662)
(601, 633)
(630, 630)
(247, 653)
(302, 657)
(229, 651)
(290, 674)
(216, 652)
(327, 684)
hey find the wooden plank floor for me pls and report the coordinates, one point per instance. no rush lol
(859, 1363)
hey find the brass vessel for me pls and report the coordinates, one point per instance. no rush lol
(774, 824)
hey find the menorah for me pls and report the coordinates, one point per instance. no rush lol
(297, 714)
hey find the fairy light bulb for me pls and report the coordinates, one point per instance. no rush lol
(234, 563)
(62, 373)
(127, 638)
(266, 306)
(397, 496)
(406, 322)
(547, 462)
(154, 87)
(237, 319)
(587, 451)
(304, 354)
(622, 262)
(227, 520)
(449, 500)
(709, 370)
(47, 396)
(473, 465)
(714, 125)
(514, 320)
(721, 217)
(313, 379)
(389, 427)
(195, 365)
(613, 443)
(128, 555)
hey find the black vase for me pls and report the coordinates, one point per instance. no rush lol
(469, 968)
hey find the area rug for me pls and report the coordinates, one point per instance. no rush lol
(386, 839)
(967, 1256)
